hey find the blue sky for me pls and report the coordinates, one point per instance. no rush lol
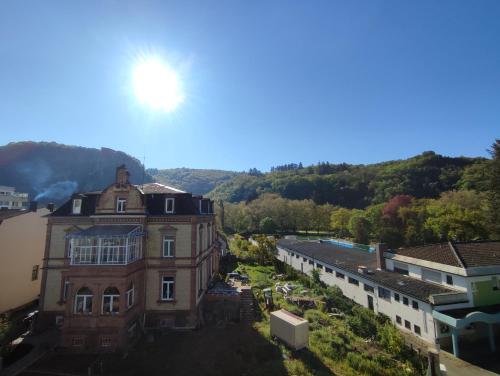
(266, 82)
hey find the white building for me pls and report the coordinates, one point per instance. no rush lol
(435, 292)
(10, 199)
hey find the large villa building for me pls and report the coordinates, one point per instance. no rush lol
(126, 259)
(442, 293)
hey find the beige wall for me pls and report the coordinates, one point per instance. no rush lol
(22, 245)
(182, 233)
(107, 200)
(182, 290)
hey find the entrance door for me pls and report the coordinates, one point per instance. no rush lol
(370, 302)
(302, 267)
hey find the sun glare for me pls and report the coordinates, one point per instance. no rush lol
(157, 85)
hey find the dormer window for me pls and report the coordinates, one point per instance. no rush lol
(77, 206)
(169, 205)
(121, 205)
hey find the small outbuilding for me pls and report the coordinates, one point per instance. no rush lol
(289, 328)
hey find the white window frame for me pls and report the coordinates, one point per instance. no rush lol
(121, 204)
(85, 297)
(130, 296)
(77, 206)
(111, 297)
(170, 281)
(167, 200)
(168, 240)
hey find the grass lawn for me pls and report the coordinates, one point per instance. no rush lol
(333, 347)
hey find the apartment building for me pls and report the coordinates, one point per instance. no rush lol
(10, 199)
(443, 293)
(22, 240)
(126, 259)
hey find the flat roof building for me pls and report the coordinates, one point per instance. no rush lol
(10, 199)
(423, 290)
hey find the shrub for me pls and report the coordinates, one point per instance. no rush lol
(362, 322)
(364, 365)
(330, 344)
(317, 319)
(334, 298)
(390, 338)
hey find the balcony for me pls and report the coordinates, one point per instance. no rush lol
(106, 245)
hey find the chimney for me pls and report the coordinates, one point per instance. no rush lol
(122, 175)
(380, 249)
(33, 206)
(50, 206)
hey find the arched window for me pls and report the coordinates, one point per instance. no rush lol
(83, 301)
(110, 301)
(130, 295)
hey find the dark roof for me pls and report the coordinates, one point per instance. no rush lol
(154, 197)
(350, 259)
(459, 254)
(478, 253)
(107, 231)
(9, 213)
(332, 254)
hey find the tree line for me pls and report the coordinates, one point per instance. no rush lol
(471, 213)
(357, 186)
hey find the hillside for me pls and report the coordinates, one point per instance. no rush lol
(357, 186)
(51, 172)
(197, 181)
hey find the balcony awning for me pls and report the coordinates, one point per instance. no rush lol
(461, 317)
(108, 231)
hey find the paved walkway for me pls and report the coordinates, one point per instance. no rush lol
(42, 344)
(458, 367)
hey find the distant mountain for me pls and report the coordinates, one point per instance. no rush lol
(52, 172)
(197, 181)
(357, 186)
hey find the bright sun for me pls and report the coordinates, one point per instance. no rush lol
(157, 85)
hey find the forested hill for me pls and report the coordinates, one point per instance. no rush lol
(51, 172)
(197, 181)
(357, 186)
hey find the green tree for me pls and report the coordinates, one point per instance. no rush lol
(494, 192)
(265, 250)
(458, 216)
(339, 222)
(267, 225)
(359, 227)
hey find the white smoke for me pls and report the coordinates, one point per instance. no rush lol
(58, 191)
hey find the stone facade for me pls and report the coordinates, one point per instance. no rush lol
(158, 273)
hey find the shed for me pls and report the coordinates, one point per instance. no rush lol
(291, 329)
